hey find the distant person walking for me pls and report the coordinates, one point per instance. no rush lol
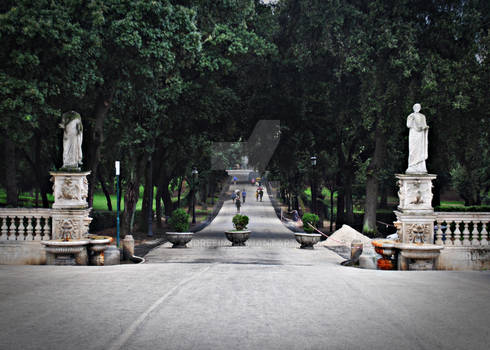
(235, 179)
(238, 205)
(233, 196)
(261, 193)
(256, 195)
(244, 195)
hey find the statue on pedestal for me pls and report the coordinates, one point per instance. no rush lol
(417, 142)
(72, 140)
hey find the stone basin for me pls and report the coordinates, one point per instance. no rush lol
(97, 246)
(237, 237)
(384, 247)
(307, 240)
(179, 239)
(72, 252)
(415, 256)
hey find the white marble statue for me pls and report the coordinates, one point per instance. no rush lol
(72, 140)
(417, 142)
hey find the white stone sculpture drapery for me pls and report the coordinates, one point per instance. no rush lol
(417, 142)
(72, 140)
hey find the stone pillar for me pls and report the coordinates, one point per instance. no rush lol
(70, 211)
(415, 214)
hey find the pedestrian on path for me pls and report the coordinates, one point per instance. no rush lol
(238, 205)
(233, 196)
(244, 195)
(261, 194)
(257, 195)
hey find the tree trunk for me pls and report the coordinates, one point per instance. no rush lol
(96, 137)
(131, 196)
(383, 202)
(10, 172)
(349, 204)
(181, 181)
(105, 190)
(370, 206)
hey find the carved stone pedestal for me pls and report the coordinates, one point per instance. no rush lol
(415, 223)
(415, 214)
(70, 209)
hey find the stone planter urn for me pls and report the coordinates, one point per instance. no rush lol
(71, 252)
(307, 240)
(237, 237)
(179, 239)
(385, 248)
(96, 247)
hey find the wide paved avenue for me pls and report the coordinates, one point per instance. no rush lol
(267, 295)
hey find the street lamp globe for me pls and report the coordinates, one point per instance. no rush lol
(313, 161)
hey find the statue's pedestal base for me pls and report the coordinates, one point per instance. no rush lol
(415, 215)
(70, 190)
(70, 209)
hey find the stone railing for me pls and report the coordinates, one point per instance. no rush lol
(462, 229)
(25, 224)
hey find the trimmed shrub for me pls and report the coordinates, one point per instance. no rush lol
(240, 222)
(310, 218)
(179, 220)
(473, 208)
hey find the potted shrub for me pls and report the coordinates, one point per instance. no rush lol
(308, 238)
(240, 234)
(180, 235)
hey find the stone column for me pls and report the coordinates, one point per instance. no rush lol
(415, 214)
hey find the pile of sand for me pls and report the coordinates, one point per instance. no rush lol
(344, 236)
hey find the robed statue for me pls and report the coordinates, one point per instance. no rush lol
(72, 140)
(417, 142)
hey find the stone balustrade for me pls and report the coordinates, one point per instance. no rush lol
(462, 229)
(25, 224)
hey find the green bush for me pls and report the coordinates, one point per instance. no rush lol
(474, 208)
(179, 220)
(240, 222)
(310, 218)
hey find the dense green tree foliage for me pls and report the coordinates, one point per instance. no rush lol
(157, 82)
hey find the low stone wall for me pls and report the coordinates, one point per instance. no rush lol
(464, 258)
(22, 253)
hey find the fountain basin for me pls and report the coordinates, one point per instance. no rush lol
(72, 252)
(97, 246)
(414, 256)
(237, 237)
(307, 240)
(179, 239)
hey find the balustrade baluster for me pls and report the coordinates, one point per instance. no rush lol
(457, 234)
(484, 233)
(38, 228)
(466, 233)
(21, 229)
(47, 229)
(439, 232)
(29, 228)
(12, 235)
(4, 229)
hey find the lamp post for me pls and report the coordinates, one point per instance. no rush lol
(118, 172)
(313, 185)
(194, 180)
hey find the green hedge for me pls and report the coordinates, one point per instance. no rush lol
(474, 208)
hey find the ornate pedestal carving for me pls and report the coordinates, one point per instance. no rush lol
(70, 190)
(415, 214)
